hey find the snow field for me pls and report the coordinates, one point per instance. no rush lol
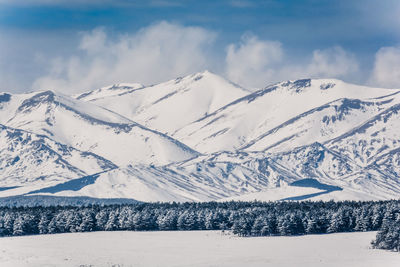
(198, 248)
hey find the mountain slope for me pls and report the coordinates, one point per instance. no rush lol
(249, 117)
(372, 139)
(196, 180)
(90, 128)
(224, 176)
(321, 124)
(168, 106)
(27, 159)
(113, 90)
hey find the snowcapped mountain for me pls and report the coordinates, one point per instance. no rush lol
(331, 120)
(200, 138)
(246, 119)
(90, 128)
(168, 106)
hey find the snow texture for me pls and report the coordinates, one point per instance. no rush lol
(205, 248)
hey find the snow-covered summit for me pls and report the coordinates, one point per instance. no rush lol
(169, 106)
(112, 90)
(247, 118)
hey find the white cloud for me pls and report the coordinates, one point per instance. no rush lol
(386, 72)
(156, 53)
(332, 62)
(94, 42)
(256, 63)
(165, 51)
(251, 62)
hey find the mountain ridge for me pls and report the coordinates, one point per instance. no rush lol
(201, 137)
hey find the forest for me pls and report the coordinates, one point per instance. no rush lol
(241, 218)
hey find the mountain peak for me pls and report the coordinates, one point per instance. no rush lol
(185, 99)
(197, 76)
(37, 99)
(204, 73)
(111, 90)
(122, 86)
(209, 79)
(301, 85)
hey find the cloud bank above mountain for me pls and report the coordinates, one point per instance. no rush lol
(153, 54)
(166, 50)
(254, 62)
(43, 42)
(386, 70)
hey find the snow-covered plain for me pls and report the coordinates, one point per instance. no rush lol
(199, 248)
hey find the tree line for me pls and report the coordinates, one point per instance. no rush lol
(242, 218)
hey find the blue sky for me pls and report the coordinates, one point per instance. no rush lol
(81, 44)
